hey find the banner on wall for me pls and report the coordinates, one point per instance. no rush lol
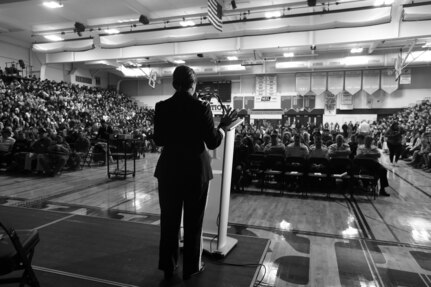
(266, 96)
(303, 83)
(238, 103)
(309, 101)
(335, 82)
(330, 103)
(318, 83)
(353, 81)
(298, 103)
(389, 83)
(346, 100)
(371, 81)
(286, 103)
(248, 103)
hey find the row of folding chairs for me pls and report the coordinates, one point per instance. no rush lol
(284, 170)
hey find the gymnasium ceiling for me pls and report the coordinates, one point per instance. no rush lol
(320, 37)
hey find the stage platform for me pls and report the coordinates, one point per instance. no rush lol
(77, 250)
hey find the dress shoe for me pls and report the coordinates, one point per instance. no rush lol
(188, 276)
(384, 193)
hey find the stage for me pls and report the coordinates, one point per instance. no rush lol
(77, 250)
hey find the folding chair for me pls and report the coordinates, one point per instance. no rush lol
(341, 168)
(274, 168)
(255, 167)
(318, 169)
(295, 167)
(16, 255)
(365, 171)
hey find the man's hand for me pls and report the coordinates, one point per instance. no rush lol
(229, 116)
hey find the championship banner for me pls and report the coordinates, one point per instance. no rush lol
(286, 103)
(346, 100)
(237, 103)
(310, 101)
(266, 93)
(260, 86)
(389, 83)
(371, 81)
(248, 103)
(298, 103)
(335, 82)
(318, 83)
(303, 83)
(352, 81)
(330, 103)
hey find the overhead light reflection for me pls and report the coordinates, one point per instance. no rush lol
(55, 38)
(52, 4)
(286, 226)
(272, 14)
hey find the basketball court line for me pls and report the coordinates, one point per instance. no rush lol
(418, 188)
(54, 222)
(83, 277)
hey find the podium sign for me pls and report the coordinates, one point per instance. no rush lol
(215, 239)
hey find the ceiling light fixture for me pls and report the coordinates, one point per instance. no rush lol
(112, 31)
(187, 23)
(356, 50)
(232, 58)
(179, 62)
(272, 14)
(53, 4)
(55, 38)
(289, 54)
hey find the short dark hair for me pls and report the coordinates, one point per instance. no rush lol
(183, 78)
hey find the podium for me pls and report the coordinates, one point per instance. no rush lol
(215, 239)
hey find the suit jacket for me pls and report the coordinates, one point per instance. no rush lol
(183, 125)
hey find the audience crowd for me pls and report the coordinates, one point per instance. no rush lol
(405, 135)
(46, 124)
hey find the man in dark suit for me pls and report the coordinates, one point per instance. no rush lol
(183, 126)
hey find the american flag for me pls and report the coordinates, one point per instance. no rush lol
(215, 13)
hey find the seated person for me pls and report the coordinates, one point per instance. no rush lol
(275, 146)
(339, 149)
(318, 149)
(6, 145)
(297, 149)
(326, 137)
(56, 156)
(371, 152)
(414, 146)
(39, 148)
(20, 150)
(419, 157)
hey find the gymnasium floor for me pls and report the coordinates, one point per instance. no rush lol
(315, 241)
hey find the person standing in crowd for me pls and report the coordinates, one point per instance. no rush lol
(370, 151)
(183, 170)
(364, 128)
(394, 142)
